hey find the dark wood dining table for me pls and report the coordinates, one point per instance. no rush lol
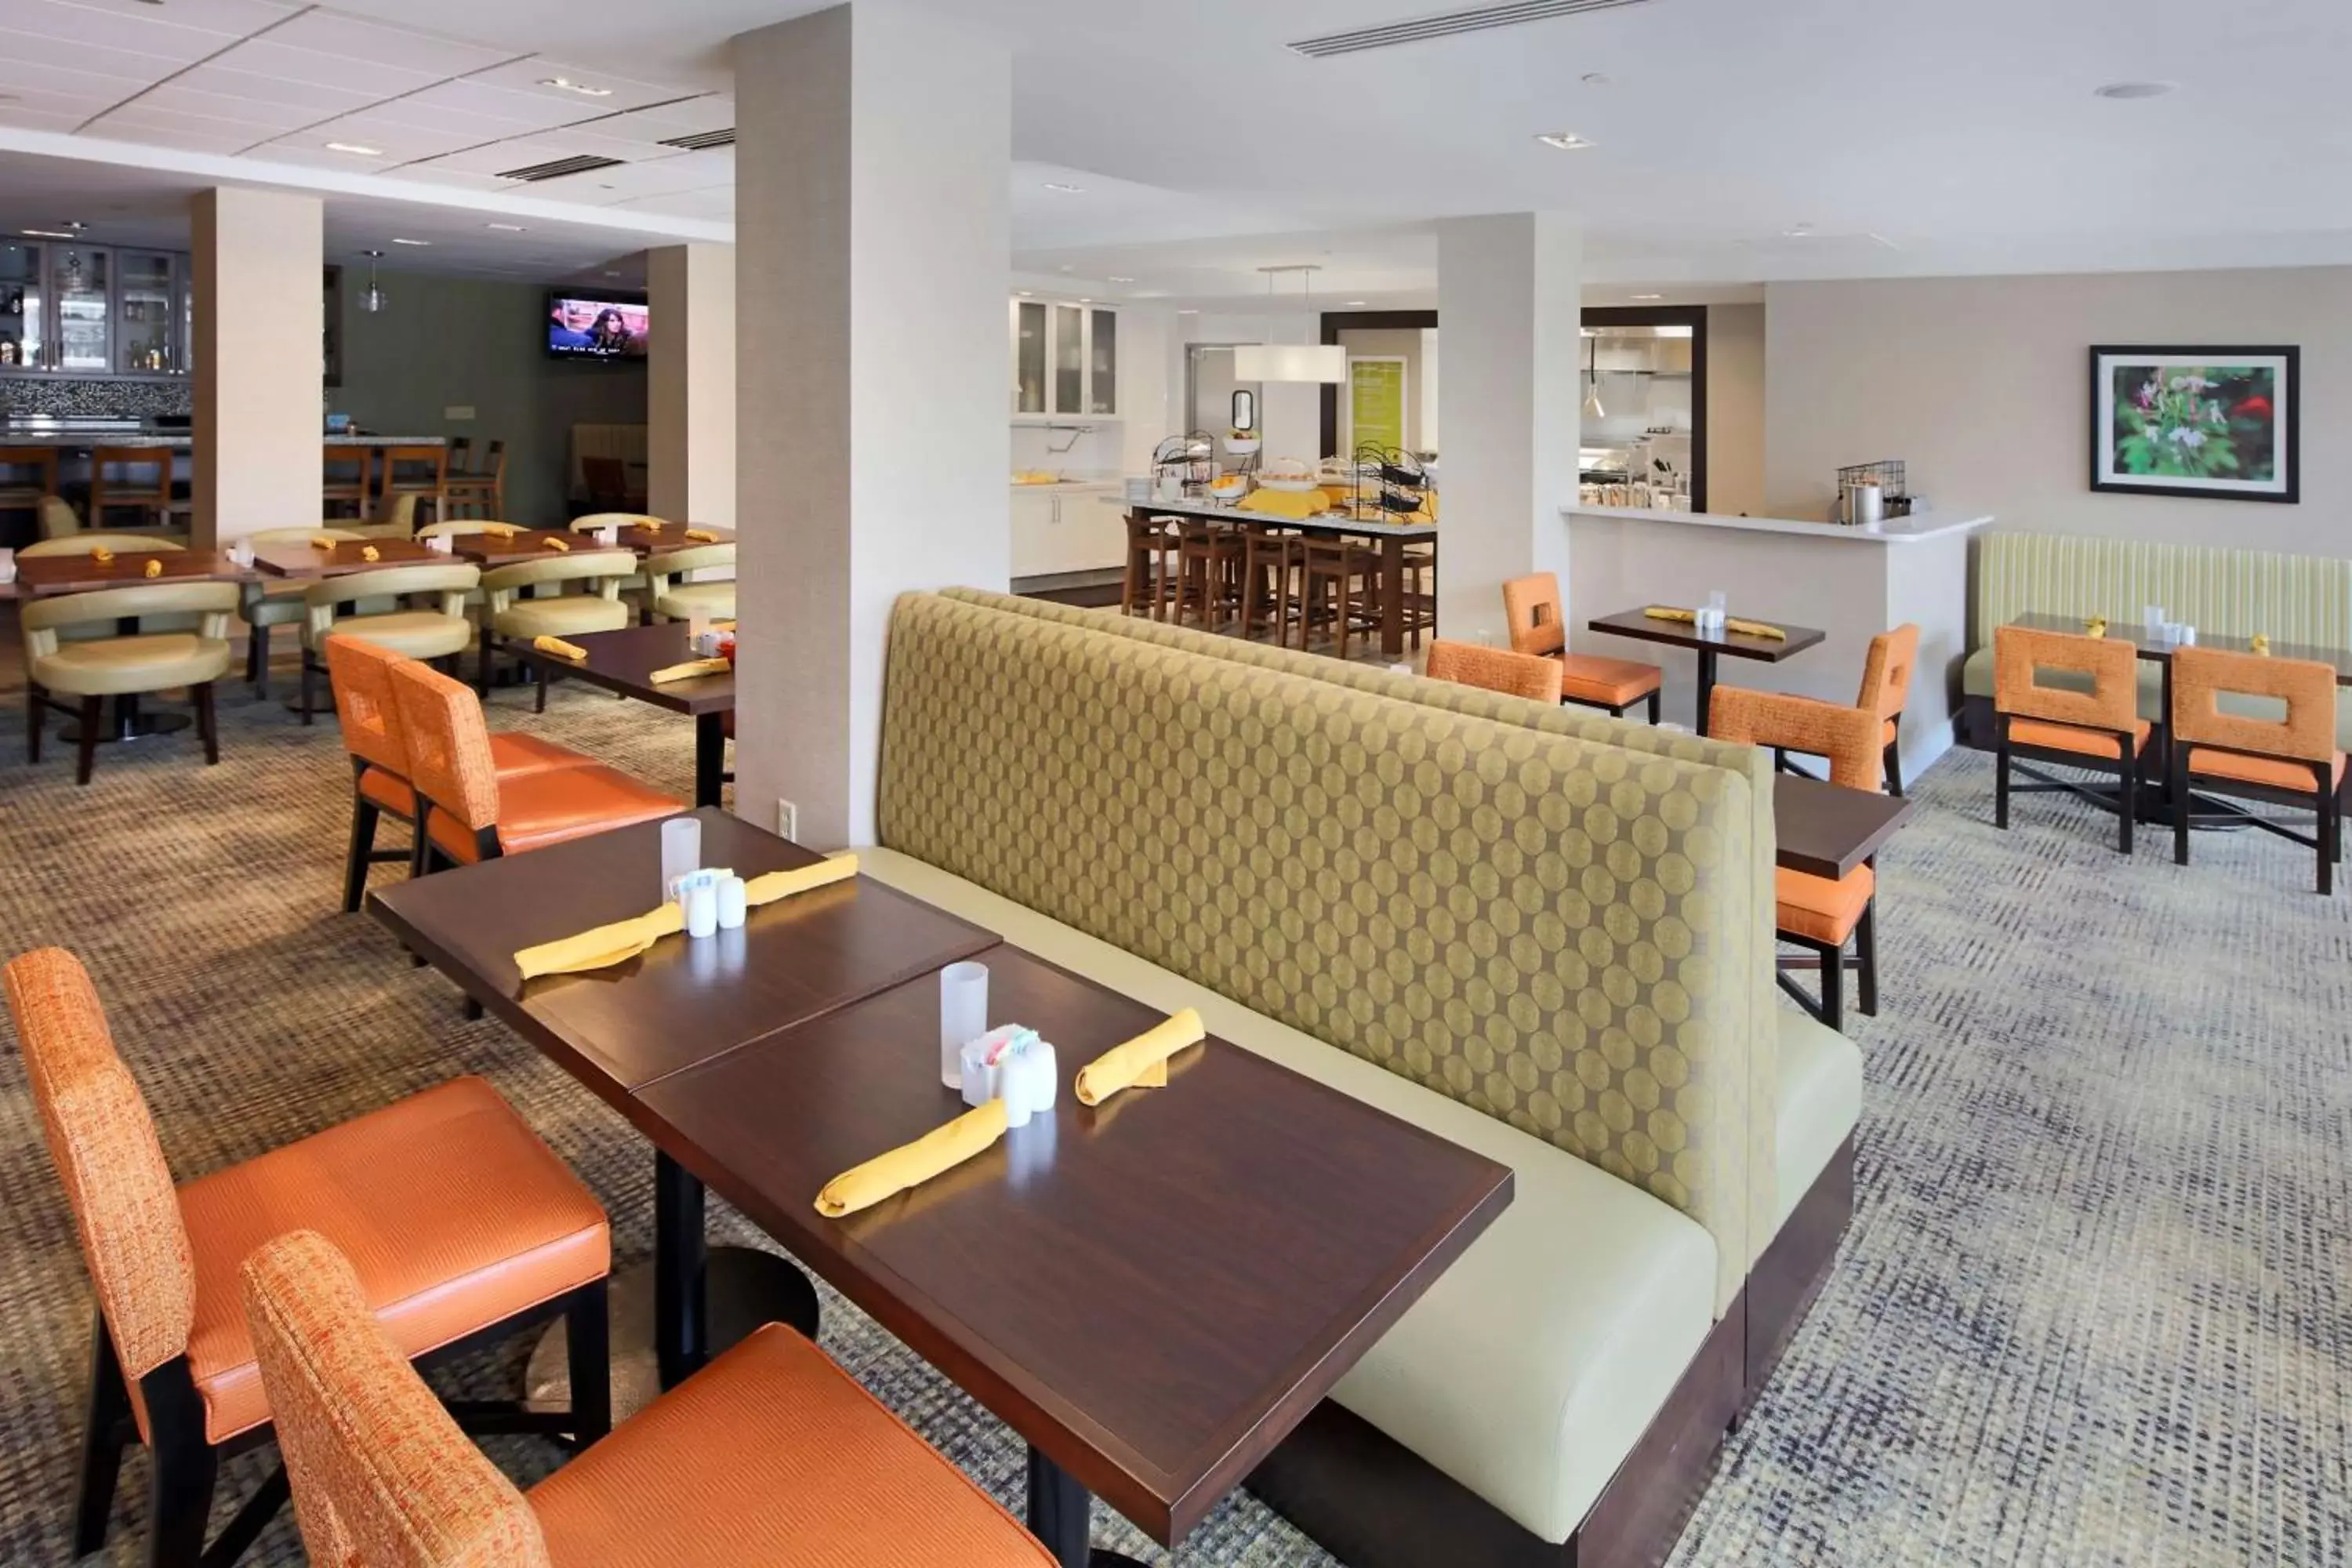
(1826, 829)
(347, 556)
(1710, 647)
(1152, 1292)
(38, 576)
(490, 551)
(625, 661)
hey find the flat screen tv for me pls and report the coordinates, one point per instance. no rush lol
(595, 326)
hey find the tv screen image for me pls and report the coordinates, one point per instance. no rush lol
(584, 326)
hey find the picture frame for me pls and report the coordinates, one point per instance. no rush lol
(2196, 422)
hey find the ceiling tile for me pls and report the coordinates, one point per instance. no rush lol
(349, 38)
(399, 144)
(33, 49)
(439, 172)
(322, 100)
(268, 117)
(521, 152)
(523, 111)
(22, 78)
(188, 137)
(263, 57)
(80, 104)
(134, 122)
(526, 76)
(459, 103)
(685, 171)
(180, 34)
(717, 203)
(26, 116)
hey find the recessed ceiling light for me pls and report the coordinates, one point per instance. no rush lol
(1352, 304)
(1798, 231)
(1649, 296)
(1085, 300)
(415, 242)
(1121, 279)
(74, 224)
(507, 228)
(1188, 312)
(1566, 141)
(2135, 89)
(1595, 78)
(1061, 188)
(355, 149)
(1027, 294)
(565, 84)
(48, 234)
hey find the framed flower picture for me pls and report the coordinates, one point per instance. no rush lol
(2221, 424)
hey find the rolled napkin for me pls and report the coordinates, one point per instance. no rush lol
(2096, 627)
(689, 670)
(559, 647)
(603, 947)
(1754, 629)
(555, 542)
(778, 885)
(318, 542)
(702, 536)
(1142, 1062)
(1668, 613)
(651, 524)
(154, 567)
(910, 1165)
(722, 625)
(502, 530)
(2261, 645)
(371, 552)
(101, 555)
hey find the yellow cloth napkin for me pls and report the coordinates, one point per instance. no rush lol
(601, 948)
(369, 553)
(910, 1165)
(702, 536)
(317, 543)
(722, 625)
(154, 568)
(777, 885)
(1730, 623)
(690, 669)
(2096, 627)
(1665, 613)
(651, 524)
(101, 555)
(502, 530)
(2260, 645)
(555, 542)
(559, 647)
(1296, 505)
(1142, 1062)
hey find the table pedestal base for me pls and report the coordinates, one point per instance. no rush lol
(1061, 1514)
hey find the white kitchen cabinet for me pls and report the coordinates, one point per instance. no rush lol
(1032, 529)
(1065, 528)
(1064, 358)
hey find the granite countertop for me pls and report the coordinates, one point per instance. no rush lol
(1911, 530)
(103, 435)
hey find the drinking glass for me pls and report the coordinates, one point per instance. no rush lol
(964, 1015)
(681, 839)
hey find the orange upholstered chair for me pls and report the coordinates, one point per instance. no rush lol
(1886, 689)
(472, 811)
(1531, 608)
(366, 703)
(1815, 913)
(2088, 719)
(770, 1455)
(2287, 762)
(463, 1225)
(1518, 674)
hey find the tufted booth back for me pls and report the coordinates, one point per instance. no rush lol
(1557, 931)
(2302, 599)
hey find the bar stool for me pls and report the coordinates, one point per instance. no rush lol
(1269, 558)
(1150, 580)
(1339, 584)
(478, 492)
(419, 471)
(27, 474)
(1208, 571)
(133, 478)
(1421, 591)
(350, 474)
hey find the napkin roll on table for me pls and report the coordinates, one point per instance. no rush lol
(910, 1165)
(559, 647)
(1731, 624)
(1142, 1062)
(603, 947)
(691, 670)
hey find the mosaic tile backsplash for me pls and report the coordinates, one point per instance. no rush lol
(96, 398)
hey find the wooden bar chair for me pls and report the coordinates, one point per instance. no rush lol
(1148, 584)
(1208, 573)
(670, 596)
(348, 607)
(464, 1227)
(1270, 558)
(2291, 761)
(587, 598)
(1531, 609)
(1816, 913)
(136, 479)
(110, 665)
(479, 492)
(29, 480)
(419, 471)
(2089, 718)
(770, 1455)
(368, 708)
(1339, 589)
(471, 812)
(1420, 591)
(1527, 675)
(349, 486)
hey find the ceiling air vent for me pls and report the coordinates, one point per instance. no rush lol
(703, 140)
(560, 169)
(1448, 25)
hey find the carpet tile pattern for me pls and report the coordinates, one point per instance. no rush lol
(2095, 1306)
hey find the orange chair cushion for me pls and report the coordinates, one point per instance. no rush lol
(1610, 683)
(2053, 736)
(2276, 772)
(536, 810)
(454, 1213)
(772, 1454)
(1819, 910)
(514, 756)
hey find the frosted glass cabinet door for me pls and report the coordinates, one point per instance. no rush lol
(22, 302)
(1028, 357)
(79, 277)
(149, 303)
(1070, 360)
(1102, 366)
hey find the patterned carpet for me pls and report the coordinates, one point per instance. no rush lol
(2095, 1306)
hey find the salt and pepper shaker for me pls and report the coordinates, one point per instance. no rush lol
(701, 910)
(734, 903)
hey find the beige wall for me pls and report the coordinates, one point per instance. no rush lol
(260, 319)
(1982, 386)
(691, 383)
(1735, 409)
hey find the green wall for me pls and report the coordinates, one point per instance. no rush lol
(445, 342)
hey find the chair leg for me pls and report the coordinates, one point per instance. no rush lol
(2001, 784)
(2180, 772)
(92, 714)
(182, 1490)
(309, 685)
(355, 866)
(588, 1345)
(256, 660)
(208, 723)
(2326, 836)
(1894, 769)
(541, 708)
(1654, 713)
(101, 1443)
(1866, 948)
(35, 719)
(482, 680)
(2127, 799)
(1833, 987)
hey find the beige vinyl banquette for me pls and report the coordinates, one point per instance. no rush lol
(1543, 935)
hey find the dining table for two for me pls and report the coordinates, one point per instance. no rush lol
(1152, 1291)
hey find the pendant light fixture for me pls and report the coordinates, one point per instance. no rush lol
(1324, 363)
(374, 301)
(1592, 409)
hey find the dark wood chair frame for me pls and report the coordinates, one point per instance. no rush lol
(1829, 1009)
(2324, 799)
(365, 814)
(91, 714)
(1650, 703)
(1336, 564)
(1269, 556)
(187, 1464)
(1149, 581)
(2123, 803)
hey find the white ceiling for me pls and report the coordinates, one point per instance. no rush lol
(1901, 137)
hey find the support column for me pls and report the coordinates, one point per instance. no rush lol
(873, 250)
(1509, 305)
(260, 319)
(690, 386)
